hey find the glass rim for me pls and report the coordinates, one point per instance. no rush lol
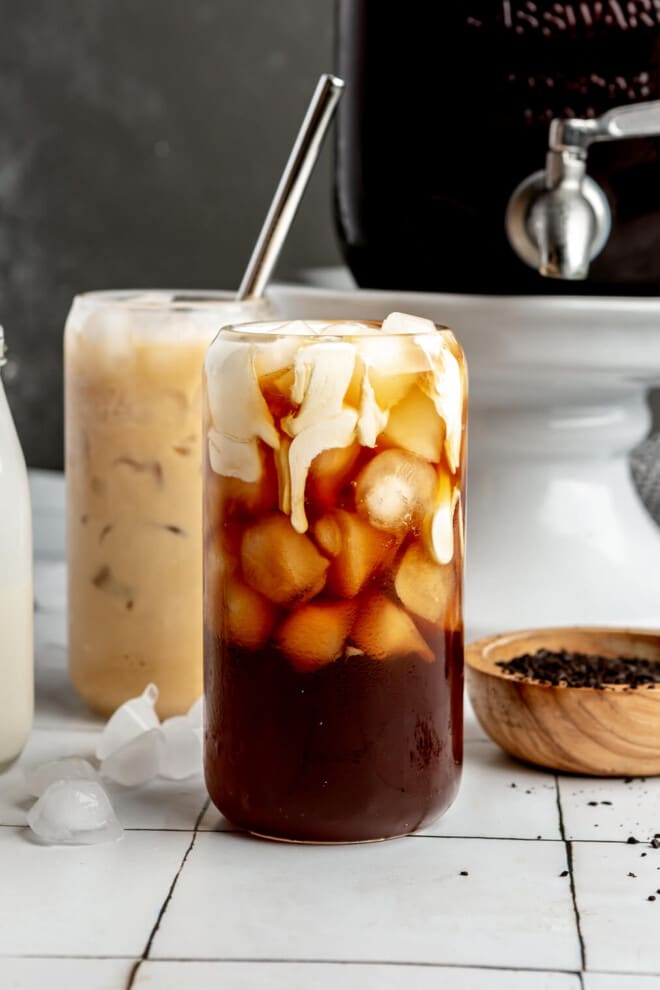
(273, 329)
(152, 300)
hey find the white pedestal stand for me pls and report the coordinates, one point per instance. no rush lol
(556, 532)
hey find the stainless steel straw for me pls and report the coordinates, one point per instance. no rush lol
(291, 187)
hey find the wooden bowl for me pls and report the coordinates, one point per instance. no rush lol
(609, 732)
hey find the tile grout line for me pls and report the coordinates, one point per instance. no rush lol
(161, 914)
(569, 862)
(410, 835)
(167, 960)
(394, 963)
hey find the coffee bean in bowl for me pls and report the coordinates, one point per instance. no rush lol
(571, 669)
(580, 700)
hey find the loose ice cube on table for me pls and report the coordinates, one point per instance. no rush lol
(137, 761)
(182, 755)
(131, 719)
(74, 812)
(40, 778)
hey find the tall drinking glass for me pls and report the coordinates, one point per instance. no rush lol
(334, 494)
(133, 370)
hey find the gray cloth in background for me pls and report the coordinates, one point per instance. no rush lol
(645, 465)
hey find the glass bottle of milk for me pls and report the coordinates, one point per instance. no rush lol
(16, 602)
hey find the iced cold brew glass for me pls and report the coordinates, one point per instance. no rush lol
(133, 371)
(334, 495)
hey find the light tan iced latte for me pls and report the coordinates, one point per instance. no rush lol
(134, 475)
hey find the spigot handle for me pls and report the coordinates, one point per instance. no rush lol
(632, 121)
(558, 220)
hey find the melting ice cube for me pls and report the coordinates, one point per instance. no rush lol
(394, 491)
(182, 756)
(405, 323)
(40, 778)
(130, 720)
(138, 760)
(74, 812)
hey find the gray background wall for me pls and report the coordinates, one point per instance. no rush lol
(140, 143)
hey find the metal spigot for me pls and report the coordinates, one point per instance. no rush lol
(558, 220)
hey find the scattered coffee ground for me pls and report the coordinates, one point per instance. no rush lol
(582, 669)
(464, 873)
(651, 897)
(655, 842)
(632, 841)
(606, 802)
(564, 873)
(592, 804)
(632, 875)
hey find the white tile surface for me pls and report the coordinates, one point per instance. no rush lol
(324, 976)
(620, 926)
(617, 981)
(212, 821)
(395, 901)
(14, 799)
(634, 808)
(84, 900)
(50, 638)
(471, 728)
(160, 804)
(50, 585)
(500, 798)
(279, 916)
(48, 514)
(64, 974)
(56, 703)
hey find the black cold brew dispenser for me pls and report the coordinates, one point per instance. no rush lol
(500, 146)
(498, 169)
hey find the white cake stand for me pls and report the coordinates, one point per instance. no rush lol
(557, 534)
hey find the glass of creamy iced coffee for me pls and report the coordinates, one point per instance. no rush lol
(334, 495)
(133, 374)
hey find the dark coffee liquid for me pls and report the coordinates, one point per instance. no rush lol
(446, 110)
(359, 749)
